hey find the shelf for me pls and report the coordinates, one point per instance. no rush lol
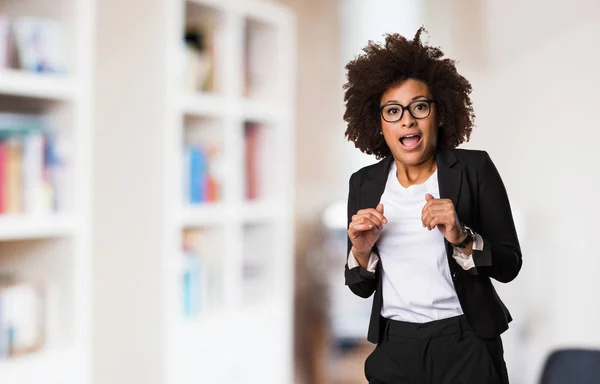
(35, 85)
(200, 104)
(203, 214)
(262, 210)
(49, 367)
(217, 106)
(21, 227)
(263, 110)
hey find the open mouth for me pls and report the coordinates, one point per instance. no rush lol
(410, 142)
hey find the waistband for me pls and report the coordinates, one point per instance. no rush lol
(429, 330)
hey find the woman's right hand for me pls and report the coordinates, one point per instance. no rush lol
(364, 229)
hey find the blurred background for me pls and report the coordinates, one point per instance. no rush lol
(173, 177)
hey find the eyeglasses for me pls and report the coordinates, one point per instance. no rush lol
(419, 109)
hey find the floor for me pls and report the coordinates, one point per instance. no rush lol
(348, 368)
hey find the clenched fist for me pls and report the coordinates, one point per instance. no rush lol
(364, 230)
(440, 213)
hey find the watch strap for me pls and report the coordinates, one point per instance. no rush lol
(470, 237)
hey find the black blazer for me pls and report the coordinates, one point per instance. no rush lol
(471, 181)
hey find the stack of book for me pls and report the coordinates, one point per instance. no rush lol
(201, 174)
(31, 166)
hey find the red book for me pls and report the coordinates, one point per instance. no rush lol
(251, 141)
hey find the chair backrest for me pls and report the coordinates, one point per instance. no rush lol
(572, 366)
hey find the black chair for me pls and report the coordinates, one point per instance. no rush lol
(572, 366)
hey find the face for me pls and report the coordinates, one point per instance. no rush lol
(411, 140)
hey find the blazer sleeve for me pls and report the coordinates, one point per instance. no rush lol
(500, 257)
(360, 281)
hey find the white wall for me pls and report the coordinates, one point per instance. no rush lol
(536, 79)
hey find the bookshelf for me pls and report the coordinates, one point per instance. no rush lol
(45, 184)
(240, 240)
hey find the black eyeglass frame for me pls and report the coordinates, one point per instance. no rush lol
(403, 108)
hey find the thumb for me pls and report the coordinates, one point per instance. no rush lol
(428, 197)
(379, 208)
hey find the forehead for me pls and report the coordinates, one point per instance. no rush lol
(405, 91)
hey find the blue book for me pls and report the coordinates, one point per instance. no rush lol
(192, 276)
(198, 168)
(194, 166)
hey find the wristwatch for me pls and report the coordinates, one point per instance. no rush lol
(470, 237)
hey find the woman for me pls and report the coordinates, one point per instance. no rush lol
(428, 225)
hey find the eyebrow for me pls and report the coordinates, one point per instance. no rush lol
(413, 99)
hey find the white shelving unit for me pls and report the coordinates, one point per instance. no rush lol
(53, 249)
(244, 335)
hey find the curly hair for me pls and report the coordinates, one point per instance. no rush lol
(384, 65)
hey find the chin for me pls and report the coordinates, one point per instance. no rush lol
(413, 158)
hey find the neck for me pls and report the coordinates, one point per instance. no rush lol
(415, 174)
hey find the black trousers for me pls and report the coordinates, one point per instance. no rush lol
(439, 352)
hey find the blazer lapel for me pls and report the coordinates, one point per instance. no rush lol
(449, 177)
(374, 185)
(449, 180)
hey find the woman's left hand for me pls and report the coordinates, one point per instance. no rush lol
(440, 213)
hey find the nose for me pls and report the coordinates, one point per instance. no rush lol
(407, 120)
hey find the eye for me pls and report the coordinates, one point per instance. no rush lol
(421, 106)
(392, 111)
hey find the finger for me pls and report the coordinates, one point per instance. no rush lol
(371, 211)
(438, 203)
(435, 222)
(379, 208)
(440, 217)
(374, 212)
(427, 212)
(428, 205)
(354, 231)
(436, 206)
(438, 210)
(429, 197)
(363, 225)
(373, 218)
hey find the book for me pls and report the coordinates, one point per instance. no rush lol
(202, 180)
(31, 166)
(260, 160)
(251, 145)
(193, 275)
